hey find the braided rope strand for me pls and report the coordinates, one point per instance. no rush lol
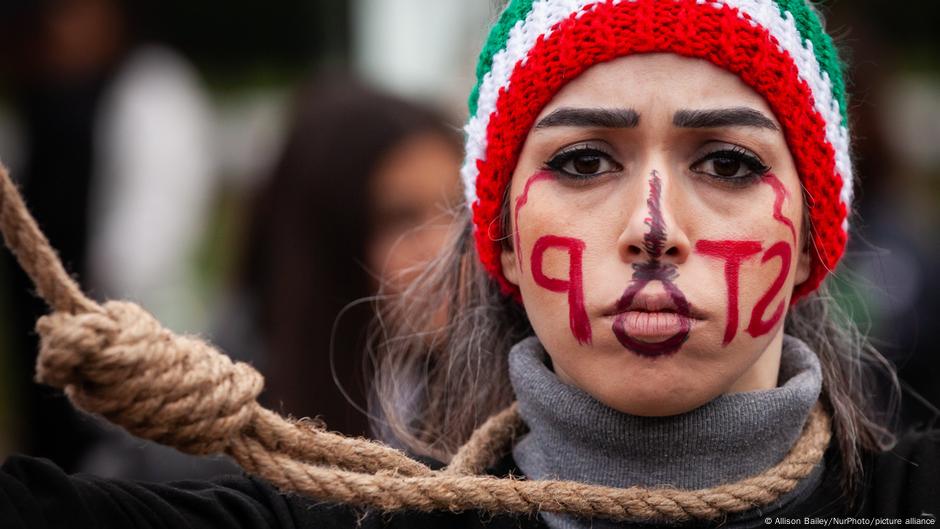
(447, 491)
(182, 392)
(488, 442)
(116, 360)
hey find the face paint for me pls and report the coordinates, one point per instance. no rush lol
(758, 326)
(629, 316)
(780, 194)
(521, 200)
(577, 315)
(644, 273)
(655, 238)
(733, 253)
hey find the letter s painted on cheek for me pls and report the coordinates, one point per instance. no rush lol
(758, 326)
(577, 315)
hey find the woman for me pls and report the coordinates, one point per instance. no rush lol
(356, 200)
(658, 189)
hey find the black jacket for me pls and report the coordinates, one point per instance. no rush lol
(903, 483)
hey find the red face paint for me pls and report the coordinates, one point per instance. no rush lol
(521, 200)
(780, 194)
(758, 326)
(577, 315)
(654, 241)
(733, 253)
(642, 275)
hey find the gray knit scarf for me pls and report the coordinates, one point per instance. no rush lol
(574, 437)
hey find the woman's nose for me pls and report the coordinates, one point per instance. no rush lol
(652, 232)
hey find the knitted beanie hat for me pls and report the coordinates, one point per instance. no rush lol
(776, 47)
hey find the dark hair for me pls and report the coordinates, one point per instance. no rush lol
(307, 236)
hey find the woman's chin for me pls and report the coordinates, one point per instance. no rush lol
(652, 385)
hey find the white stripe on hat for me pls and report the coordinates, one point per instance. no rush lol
(545, 14)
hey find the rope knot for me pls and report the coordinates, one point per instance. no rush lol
(121, 363)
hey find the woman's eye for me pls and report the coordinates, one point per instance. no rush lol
(583, 163)
(735, 165)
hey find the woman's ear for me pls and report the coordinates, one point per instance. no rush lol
(507, 259)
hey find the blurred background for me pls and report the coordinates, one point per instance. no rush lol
(246, 170)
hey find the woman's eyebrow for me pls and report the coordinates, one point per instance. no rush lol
(610, 118)
(722, 117)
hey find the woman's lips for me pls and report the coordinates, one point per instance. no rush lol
(673, 302)
(652, 326)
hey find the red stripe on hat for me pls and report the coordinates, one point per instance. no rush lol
(720, 35)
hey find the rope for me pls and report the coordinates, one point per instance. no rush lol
(116, 360)
(488, 442)
(443, 491)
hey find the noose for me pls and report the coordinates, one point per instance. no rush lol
(117, 361)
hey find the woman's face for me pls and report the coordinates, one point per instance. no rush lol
(656, 221)
(412, 192)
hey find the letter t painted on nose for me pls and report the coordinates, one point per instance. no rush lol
(733, 253)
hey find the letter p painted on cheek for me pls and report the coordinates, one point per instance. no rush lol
(574, 286)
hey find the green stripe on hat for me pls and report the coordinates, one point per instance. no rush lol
(810, 28)
(805, 18)
(514, 12)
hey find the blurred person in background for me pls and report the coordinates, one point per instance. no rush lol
(358, 201)
(116, 167)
